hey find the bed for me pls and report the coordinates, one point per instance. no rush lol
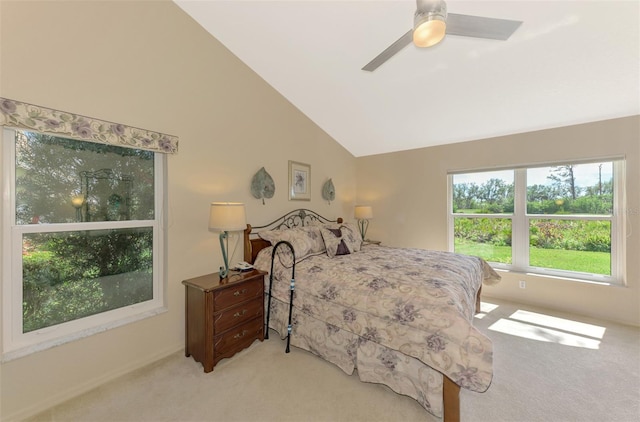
(399, 317)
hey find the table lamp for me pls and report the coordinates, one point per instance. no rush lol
(363, 214)
(225, 217)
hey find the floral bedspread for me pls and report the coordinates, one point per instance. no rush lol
(383, 309)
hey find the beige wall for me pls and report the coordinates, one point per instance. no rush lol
(147, 64)
(408, 192)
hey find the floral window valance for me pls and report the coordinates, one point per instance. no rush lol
(41, 119)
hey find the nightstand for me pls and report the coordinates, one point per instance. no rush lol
(371, 242)
(224, 316)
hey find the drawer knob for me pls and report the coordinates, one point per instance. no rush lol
(239, 314)
(240, 335)
(240, 292)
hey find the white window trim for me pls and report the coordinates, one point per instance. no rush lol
(16, 344)
(520, 224)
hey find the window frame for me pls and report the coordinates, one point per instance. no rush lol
(15, 343)
(520, 221)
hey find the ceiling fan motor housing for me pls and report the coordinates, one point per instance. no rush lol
(434, 8)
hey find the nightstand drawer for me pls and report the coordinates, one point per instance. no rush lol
(235, 337)
(237, 315)
(237, 294)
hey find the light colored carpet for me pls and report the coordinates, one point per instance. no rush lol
(548, 367)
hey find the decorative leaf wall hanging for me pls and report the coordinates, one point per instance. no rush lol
(262, 185)
(328, 191)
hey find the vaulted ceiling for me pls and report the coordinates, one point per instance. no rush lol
(569, 62)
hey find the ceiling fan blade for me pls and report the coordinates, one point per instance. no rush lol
(480, 27)
(390, 51)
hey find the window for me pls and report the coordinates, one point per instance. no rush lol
(560, 220)
(83, 238)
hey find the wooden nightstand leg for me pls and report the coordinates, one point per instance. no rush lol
(186, 322)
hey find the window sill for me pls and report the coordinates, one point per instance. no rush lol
(48, 344)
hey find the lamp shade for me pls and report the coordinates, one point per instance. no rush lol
(227, 216)
(363, 212)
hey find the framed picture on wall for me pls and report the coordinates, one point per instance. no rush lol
(299, 181)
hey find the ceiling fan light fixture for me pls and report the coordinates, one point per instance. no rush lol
(429, 33)
(429, 23)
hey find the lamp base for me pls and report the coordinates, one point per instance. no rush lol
(363, 225)
(224, 271)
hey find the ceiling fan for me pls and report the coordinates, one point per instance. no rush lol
(430, 23)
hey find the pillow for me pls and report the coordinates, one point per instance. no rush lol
(350, 230)
(354, 236)
(340, 241)
(306, 241)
